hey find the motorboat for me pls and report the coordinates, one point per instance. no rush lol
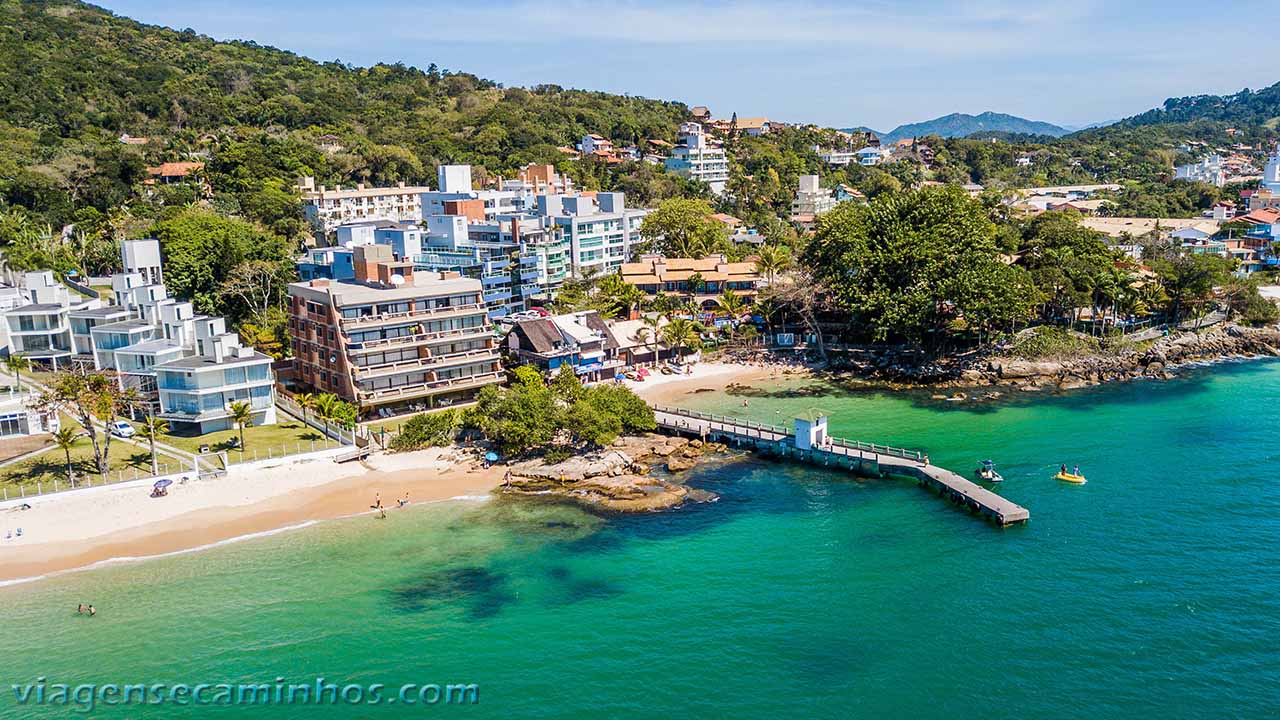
(987, 471)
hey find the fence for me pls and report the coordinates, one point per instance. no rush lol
(342, 435)
(206, 465)
(744, 427)
(167, 470)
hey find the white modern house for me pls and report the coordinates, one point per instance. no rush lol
(143, 258)
(197, 391)
(869, 156)
(697, 158)
(835, 158)
(1209, 170)
(38, 323)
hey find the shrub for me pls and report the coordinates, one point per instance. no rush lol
(427, 430)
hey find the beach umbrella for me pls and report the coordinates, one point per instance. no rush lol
(491, 456)
(161, 484)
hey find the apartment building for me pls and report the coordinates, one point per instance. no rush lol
(697, 157)
(457, 196)
(1209, 170)
(392, 338)
(327, 208)
(601, 231)
(811, 201)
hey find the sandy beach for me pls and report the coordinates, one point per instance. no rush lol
(80, 528)
(77, 529)
(708, 377)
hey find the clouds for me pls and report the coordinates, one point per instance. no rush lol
(875, 62)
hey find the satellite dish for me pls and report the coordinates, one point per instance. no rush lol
(397, 279)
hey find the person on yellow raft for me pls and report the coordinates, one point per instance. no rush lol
(1071, 477)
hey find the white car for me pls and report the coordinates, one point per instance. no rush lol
(120, 428)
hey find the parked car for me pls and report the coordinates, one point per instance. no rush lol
(120, 428)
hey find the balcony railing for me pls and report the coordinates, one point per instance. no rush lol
(385, 318)
(430, 388)
(423, 363)
(419, 338)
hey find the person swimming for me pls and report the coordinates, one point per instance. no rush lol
(92, 612)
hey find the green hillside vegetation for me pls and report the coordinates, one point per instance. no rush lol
(74, 77)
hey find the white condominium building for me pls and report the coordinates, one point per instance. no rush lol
(697, 158)
(811, 200)
(327, 208)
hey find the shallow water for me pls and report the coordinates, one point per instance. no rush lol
(1150, 591)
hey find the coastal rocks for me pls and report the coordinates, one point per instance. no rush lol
(617, 479)
(1022, 369)
(1155, 362)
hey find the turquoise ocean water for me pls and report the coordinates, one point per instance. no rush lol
(1152, 591)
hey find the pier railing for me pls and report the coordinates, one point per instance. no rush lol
(723, 419)
(744, 427)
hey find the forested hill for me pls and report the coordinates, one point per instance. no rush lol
(1245, 108)
(962, 125)
(73, 77)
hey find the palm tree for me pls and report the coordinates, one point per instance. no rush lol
(65, 439)
(306, 401)
(242, 416)
(326, 406)
(150, 429)
(731, 304)
(683, 335)
(653, 329)
(773, 259)
(17, 364)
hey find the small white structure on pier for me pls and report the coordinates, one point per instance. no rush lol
(811, 430)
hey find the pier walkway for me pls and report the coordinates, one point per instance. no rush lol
(861, 458)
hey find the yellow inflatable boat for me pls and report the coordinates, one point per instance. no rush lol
(1070, 477)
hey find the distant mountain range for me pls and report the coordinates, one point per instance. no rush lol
(962, 125)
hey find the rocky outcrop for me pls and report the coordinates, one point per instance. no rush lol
(899, 368)
(618, 478)
(1157, 361)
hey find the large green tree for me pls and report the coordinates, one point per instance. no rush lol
(685, 228)
(217, 262)
(910, 265)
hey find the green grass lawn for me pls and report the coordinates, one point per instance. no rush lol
(286, 437)
(126, 462)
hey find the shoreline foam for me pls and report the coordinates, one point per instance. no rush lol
(70, 531)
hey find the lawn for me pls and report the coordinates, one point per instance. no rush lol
(126, 462)
(286, 437)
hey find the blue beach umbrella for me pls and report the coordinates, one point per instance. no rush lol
(491, 456)
(160, 484)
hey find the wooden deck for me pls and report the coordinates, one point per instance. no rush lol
(868, 459)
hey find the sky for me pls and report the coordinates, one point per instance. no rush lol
(877, 63)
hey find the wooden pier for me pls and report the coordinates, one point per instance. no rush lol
(860, 458)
